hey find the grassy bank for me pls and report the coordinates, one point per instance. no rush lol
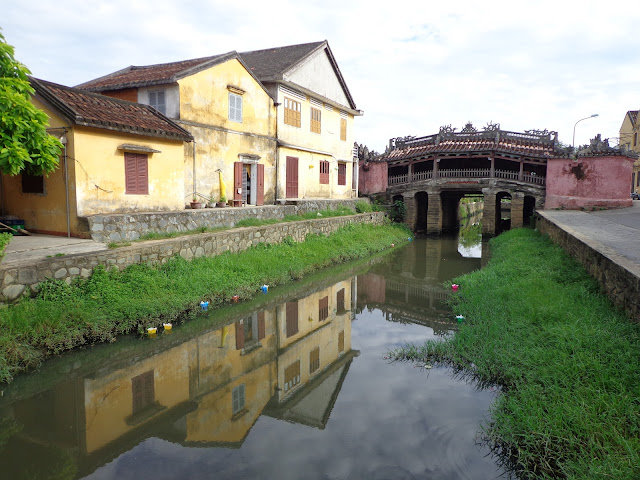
(111, 303)
(536, 324)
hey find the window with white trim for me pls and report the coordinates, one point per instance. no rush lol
(157, 101)
(235, 107)
(237, 398)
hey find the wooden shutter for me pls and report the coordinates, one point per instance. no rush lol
(342, 173)
(341, 341)
(136, 173)
(343, 129)
(323, 308)
(292, 177)
(238, 172)
(340, 300)
(142, 391)
(239, 335)
(260, 186)
(292, 318)
(261, 326)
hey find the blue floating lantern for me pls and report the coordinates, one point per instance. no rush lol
(409, 238)
(204, 305)
(264, 288)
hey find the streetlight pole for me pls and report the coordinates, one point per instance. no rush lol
(573, 143)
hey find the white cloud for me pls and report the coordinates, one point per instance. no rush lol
(411, 66)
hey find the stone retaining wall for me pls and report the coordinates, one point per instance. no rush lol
(619, 279)
(16, 281)
(131, 226)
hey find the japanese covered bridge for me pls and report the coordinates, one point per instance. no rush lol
(431, 174)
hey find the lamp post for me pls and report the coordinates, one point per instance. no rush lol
(573, 143)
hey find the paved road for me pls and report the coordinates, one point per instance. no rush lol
(31, 248)
(615, 233)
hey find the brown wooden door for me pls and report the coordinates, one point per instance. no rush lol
(260, 186)
(238, 172)
(292, 177)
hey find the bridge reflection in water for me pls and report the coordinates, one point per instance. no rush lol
(264, 389)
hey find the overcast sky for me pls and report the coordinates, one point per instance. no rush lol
(411, 66)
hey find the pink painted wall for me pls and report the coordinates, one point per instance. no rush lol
(588, 182)
(372, 177)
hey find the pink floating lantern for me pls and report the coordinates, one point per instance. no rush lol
(455, 287)
(235, 298)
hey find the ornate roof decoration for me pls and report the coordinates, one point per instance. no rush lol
(599, 147)
(534, 144)
(469, 128)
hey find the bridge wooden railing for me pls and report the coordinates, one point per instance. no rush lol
(466, 173)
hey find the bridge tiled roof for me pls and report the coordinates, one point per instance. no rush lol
(530, 145)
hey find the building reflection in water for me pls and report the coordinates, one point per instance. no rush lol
(285, 360)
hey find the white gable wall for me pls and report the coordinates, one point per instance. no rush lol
(316, 74)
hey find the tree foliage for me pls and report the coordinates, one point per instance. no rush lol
(24, 141)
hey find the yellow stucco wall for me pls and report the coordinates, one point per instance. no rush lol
(46, 212)
(97, 180)
(100, 178)
(630, 137)
(204, 111)
(108, 399)
(313, 333)
(309, 185)
(328, 140)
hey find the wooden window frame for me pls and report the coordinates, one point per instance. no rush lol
(342, 173)
(314, 360)
(142, 392)
(340, 300)
(136, 173)
(323, 309)
(292, 318)
(343, 129)
(292, 112)
(292, 375)
(324, 172)
(235, 111)
(316, 120)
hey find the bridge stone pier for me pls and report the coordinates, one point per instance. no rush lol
(432, 174)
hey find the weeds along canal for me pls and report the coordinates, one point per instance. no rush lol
(292, 384)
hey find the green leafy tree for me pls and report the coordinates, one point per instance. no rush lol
(24, 141)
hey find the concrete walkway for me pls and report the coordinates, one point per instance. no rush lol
(32, 248)
(614, 233)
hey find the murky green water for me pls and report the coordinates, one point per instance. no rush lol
(291, 385)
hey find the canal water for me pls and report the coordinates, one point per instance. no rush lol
(291, 385)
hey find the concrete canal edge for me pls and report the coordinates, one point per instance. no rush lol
(18, 280)
(618, 276)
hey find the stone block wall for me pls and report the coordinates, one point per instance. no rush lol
(19, 280)
(619, 279)
(131, 226)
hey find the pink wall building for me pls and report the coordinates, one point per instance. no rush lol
(589, 182)
(372, 177)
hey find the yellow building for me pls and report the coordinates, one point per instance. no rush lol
(227, 110)
(315, 158)
(118, 157)
(629, 138)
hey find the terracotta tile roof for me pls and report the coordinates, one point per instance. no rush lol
(94, 110)
(510, 143)
(139, 76)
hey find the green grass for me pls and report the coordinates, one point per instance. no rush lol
(112, 303)
(337, 212)
(5, 238)
(568, 362)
